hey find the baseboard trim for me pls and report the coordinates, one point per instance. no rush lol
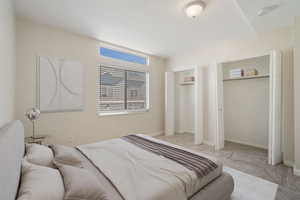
(296, 172)
(208, 143)
(288, 163)
(246, 143)
(159, 133)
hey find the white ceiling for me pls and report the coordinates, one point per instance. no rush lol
(157, 27)
(281, 17)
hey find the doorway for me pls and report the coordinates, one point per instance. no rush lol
(248, 105)
(184, 102)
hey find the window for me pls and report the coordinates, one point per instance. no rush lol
(123, 56)
(136, 90)
(122, 91)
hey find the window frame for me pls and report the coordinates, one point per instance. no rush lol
(122, 112)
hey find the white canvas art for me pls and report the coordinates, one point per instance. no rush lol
(61, 85)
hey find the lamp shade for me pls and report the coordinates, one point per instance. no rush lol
(33, 114)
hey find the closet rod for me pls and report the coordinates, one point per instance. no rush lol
(247, 77)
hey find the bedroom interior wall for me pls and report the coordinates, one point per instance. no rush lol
(72, 128)
(297, 95)
(221, 51)
(7, 61)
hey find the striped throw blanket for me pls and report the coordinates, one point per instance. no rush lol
(200, 165)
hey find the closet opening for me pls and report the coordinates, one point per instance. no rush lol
(248, 103)
(184, 102)
(246, 96)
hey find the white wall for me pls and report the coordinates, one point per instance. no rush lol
(246, 104)
(297, 94)
(184, 104)
(73, 128)
(7, 61)
(234, 49)
(221, 51)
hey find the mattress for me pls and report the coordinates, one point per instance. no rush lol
(205, 185)
(220, 188)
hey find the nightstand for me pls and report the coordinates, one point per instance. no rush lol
(38, 139)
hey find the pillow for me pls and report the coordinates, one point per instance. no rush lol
(39, 155)
(40, 183)
(80, 183)
(66, 155)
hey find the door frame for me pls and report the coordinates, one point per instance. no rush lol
(275, 89)
(275, 109)
(170, 102)
(219, 100)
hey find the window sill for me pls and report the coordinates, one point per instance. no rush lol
(122, 112)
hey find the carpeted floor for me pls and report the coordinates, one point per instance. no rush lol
(245, 185)
(249, 160)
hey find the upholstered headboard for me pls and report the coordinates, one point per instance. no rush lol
(11, 154)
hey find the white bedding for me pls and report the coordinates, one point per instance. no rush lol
(139, 174)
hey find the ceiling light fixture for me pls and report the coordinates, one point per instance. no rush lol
(194, 8)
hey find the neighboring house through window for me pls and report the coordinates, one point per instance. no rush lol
(122, 90)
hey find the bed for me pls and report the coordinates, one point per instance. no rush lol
(130, 168)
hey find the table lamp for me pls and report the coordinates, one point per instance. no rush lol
(33, 114)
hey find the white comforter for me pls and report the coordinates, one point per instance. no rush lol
(139, 174)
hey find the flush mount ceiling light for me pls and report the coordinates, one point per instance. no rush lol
(194, 8)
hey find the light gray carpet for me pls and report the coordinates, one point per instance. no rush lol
(247, 159)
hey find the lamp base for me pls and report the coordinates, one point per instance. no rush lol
(37, 137)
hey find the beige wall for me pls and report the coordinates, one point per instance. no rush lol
(297, 94)
(221, 51)
(73, 128)
(7, 61)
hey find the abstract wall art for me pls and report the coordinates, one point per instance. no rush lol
(60, 85)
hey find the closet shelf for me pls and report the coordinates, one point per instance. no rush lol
(247, 77)
(188, 83)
